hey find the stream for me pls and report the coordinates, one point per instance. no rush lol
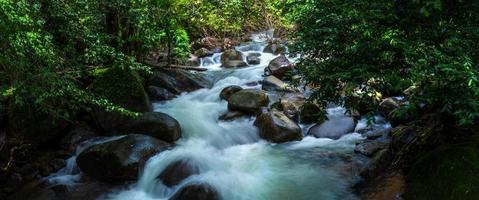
(230, 155)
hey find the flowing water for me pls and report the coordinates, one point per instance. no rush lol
(233, 159)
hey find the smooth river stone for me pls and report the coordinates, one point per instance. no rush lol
(333, 128)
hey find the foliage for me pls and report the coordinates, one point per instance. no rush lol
(356, 49)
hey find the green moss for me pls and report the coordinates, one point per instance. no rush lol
(122, 87)
(446, 173)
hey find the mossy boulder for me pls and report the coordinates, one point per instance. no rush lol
(123, 87)
(445, 173)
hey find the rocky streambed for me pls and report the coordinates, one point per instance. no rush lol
(235, 131)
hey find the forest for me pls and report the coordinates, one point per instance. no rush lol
(239, 99)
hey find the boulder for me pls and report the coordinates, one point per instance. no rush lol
(253, 59)
(388, 105)
(226, 93)
(291, 105)
(232, 115)
(159, 93)
(333, 128)
(178, 171)
(155, 124)
(119, 160)
(275, 47)
(272, 83)
(248, 100)
(196, 191)
(378, 164)
(122, 87)
(310, 113)
(203, 52)
(276, 127)
(232, 58)
(177, 81)
(369, 147)
(278, 67)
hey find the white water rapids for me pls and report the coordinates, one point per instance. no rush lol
(234, 160)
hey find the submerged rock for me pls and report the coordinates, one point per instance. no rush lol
(119, 160)
(178, 171)
(226, 93)
(333, 128)
(278, 67)
(232, 58)
(155, 124)
(177, 81)
(276, 127)
(248, 100)
(197, 191)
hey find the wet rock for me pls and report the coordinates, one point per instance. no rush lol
(198, 191)
(159, 93)
(57, 164)
(203, 52)
(119, 160)
(275, 47)
(226, 93)
(123, 88)
(177, 81)
(232, 115)
(178, 171)
(248, 100)
(253, 59)
(333, 128)
(155, 124)
(276, 127)
(278, 67)
(232, 58)
(369, 147)
(291, 105)
(79, 133)
(388, 105)
(310, 113)
(272, 83)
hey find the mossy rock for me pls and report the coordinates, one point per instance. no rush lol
(123, 87)
(445, 173)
